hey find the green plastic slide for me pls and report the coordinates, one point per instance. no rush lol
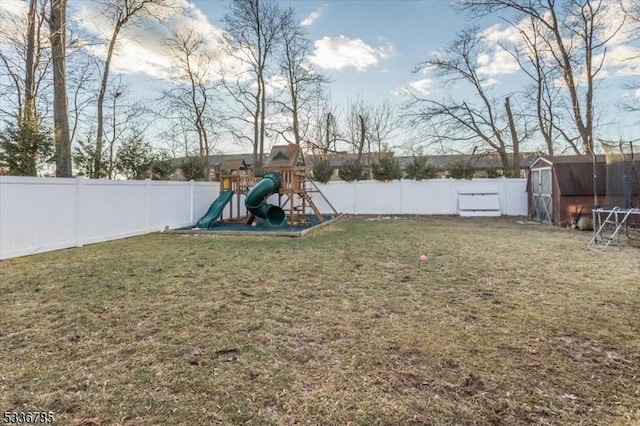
(215, 210)
(274, 217)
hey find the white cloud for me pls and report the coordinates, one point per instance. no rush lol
(490, 82)
(13, 19)
(15, 8)
(614, 15)
(496, 34)
(623, 60)
(498, 62)
(143, 48)
(484, 59)
(637, 93)
(419, 87)
(313, 16)
(342, 52)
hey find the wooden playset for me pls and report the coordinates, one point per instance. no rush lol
(285, 175)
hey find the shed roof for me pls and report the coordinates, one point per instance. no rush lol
(577, 178)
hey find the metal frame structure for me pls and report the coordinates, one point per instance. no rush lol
(608, 230)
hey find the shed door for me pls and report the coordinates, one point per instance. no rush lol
(541, 195)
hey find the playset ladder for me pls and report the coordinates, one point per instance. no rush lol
(306, 199)
(314, 188)
(614, 221)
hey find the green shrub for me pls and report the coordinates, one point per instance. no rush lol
(162, 167)
(25, 147)
(461, 170)
(387, 168)
(493, 172)
(418, 169)
(193, 168)
(322, 170)
(351, 170)
(509, 173)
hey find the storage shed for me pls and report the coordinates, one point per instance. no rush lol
(560, 187)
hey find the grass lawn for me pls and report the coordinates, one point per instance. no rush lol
(507, 323)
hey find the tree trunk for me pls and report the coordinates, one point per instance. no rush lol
(263, 106)
(58, 28)
(363, 129)
(97, 161)
(514, 140)
(327, 146)
(29, 113)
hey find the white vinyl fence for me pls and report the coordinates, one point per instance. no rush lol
(44, 214)
(434, 196)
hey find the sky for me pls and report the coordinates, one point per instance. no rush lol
(368, 49)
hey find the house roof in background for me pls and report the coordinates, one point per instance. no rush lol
(442, 162)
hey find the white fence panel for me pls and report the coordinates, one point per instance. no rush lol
(514, 201)
(203, 194)
(341, 195)
(373, 197)
(36, 215)
(112, 210)
(163, 200)
(426, 197)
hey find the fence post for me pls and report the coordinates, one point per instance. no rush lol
(503, 197)
(192, 201)
(355, 196)
(147, 204)
(401, 196)
(79, 210)
(453, 208)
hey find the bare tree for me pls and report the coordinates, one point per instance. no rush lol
(252, 33)
(368, 126)
(81, 98)
(576, 36)
(382, 123)
(24, 89)
(127, 122)
(531, 54)
(632, 11)
(356, 120)
(304, 83)
(25, 61)
(58, 31)
(323, 132)
(192, 99)
(474, 120)
(120, 13)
